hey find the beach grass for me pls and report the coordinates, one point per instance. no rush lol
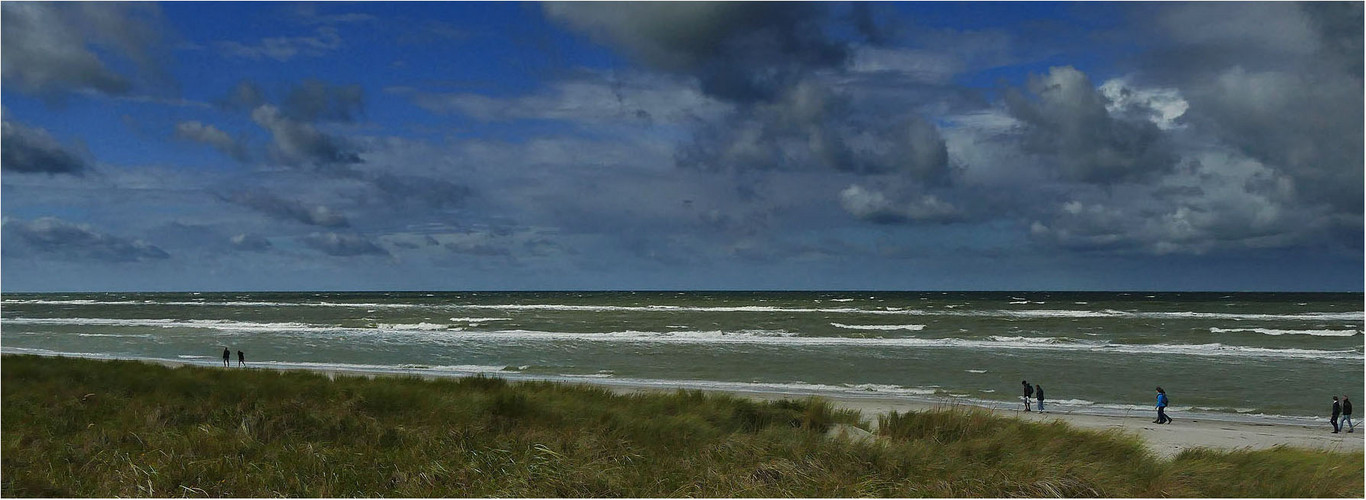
(82, 428)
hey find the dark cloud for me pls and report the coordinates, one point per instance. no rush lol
(343, 245)
(30, 150)
(300, 143)
(740, 51)
(51, 48)
(248, 242)
(813, 128)
(1066, 119)
(275, 206)
(208, 134)
(314, 100)
(1280, 82)
(54, 237)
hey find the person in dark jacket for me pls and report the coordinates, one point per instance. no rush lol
(1038, 394)
(1028, 391)
(241, 359)
(1337, 410)
(227, 359)
(1162, 417)
(1347, 415)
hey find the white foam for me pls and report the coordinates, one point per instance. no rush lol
(975, 371)
(1269, 331)
(412, 326)
(478, 320)
(140, 335)
(915, 328)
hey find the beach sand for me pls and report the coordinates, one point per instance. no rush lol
(1164, 440)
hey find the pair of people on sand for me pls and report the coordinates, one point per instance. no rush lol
(1345, 410)
(227, 358)
(1035, 391)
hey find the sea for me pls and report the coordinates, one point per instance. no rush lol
(1258, 357)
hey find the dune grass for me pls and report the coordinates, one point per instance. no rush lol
(75, 427)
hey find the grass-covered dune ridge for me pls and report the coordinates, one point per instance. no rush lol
(75, 427)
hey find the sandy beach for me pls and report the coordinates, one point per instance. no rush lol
(1164, 440)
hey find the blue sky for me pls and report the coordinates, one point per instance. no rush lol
(517, 146)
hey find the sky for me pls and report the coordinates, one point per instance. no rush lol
(238, 146)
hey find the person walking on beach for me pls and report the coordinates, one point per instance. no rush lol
(227, 360)
(1028, 391)
(1347, 415)
(1337, 410)
(1038, 394)
(241, 359)
(1162, 417)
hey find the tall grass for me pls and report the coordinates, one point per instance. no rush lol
(73, 427)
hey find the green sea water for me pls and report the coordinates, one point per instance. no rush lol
(1236, 356)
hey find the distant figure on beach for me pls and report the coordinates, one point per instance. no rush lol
(1028, 391)
(241, 359)
(1162, 417)
(1038, 393)
(1347, 414)
(1337, 410)
(227, 360)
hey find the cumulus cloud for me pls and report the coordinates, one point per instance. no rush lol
(876, 207)
(281, 208)
(1066, 118)
(301, 143)
(208, 134)
(324, 40)
(53, 237)
(739, 51)
(51, 48)
(250, 242)
(343, 245)
(32, 150)
(245, 96)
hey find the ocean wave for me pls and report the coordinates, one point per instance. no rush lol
(1270, 331)
(434, 333)
(915, 328)
(134, 335)
(1024, 313)
(412, 326)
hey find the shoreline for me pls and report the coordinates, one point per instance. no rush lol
(1188, 430)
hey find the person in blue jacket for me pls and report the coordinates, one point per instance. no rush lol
(1162, 417)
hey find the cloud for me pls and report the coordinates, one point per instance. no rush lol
(245, 96)
(343, 245)
(315, 100)
(741, 52)
(1066, 118)
(424, 191)
(50, 236)
(30, 150)
(813, 128)
(874, 206)
(300, 143)
(274, 206)
(248, 242)
(208, 134)
(52, 48)
(324, 40)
